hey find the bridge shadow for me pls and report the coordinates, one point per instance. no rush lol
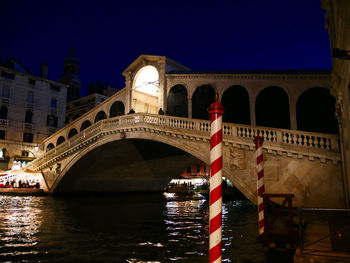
(132, 165)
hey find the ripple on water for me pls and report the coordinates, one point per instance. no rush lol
(121, 229)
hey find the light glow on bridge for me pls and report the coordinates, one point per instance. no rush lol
(147, 80)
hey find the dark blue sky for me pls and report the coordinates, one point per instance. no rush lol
(201, 34)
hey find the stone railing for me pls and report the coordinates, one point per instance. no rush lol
(305, 142)
(280, 136)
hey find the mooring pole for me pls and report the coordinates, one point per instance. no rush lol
(260, 181)
(216, 111)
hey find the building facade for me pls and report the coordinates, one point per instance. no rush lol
(31, 109)
(337, 21)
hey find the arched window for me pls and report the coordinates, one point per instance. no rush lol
(3, 112)
(30, 97)
(85, 125)
(60, 140)
(316, 111)
(201, 100)
(53, 103)
(272, 108)
(28, 117)
(5, 92)
(236, 103)
(72, 132)
(50, 147)
(177, 102)
(116, 109)
(101, 115)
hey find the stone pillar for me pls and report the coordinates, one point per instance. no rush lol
(189, 105)
(292, 112)
(128, 99)
(252, 98)
(162, 93)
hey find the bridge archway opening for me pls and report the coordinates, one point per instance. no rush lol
(133, 165)
(117, 109)
(50, 147)
(145, 90)
(236, 103)
(60, 140)
(101, 115)
(272, 108)
(85, 125)
(316, 111)
(72, 132)
(177, 101)
(201, 100)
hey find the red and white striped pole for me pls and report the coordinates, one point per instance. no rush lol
(216, 111)
(260, 182)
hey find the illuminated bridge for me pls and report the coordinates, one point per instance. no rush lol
(107, 150)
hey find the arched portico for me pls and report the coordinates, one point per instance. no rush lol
(236, 104)
(201, 100)
(272, 108)
(316, 111)
(177, 103)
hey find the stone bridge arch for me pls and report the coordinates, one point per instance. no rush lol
(305, 164)
(196, 150)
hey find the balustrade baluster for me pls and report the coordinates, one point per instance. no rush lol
(327, 143)
(284, 138)
(322, 143)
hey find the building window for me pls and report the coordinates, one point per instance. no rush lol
(7, 75)
(53, 103)
(2, 134)
(27, 137)
(55, 88)
(3, 112)
(5, 92)
(31, 82)
(30, 97)
(51, 121)
(28, 117)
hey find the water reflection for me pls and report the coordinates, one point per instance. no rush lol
(122, 228)
(20, 221)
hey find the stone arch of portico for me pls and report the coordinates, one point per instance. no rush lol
(236, 102)
(266, 112)
(177, 101)
(201, 102)
(315, 111)
(190, 147)
(136, 72)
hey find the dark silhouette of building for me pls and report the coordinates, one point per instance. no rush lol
(70, 76)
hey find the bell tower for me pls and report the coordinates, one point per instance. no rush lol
(70, 75)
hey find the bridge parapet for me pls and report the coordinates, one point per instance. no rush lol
(291, 143)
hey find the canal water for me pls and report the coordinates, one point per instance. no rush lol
(122, 228)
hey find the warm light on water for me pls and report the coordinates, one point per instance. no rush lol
(128, 228)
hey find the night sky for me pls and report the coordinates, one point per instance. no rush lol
(203, 35)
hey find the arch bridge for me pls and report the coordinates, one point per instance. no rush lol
(142, 152)
(105, 150)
